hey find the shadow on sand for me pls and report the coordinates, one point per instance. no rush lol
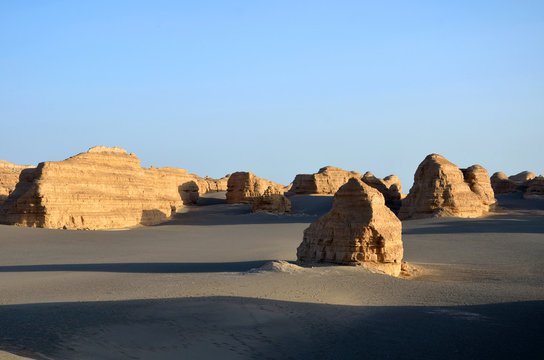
(144, 268)
(247, 328)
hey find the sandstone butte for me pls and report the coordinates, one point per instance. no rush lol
(243, 187)
(271, 201)
(503, 184)
(358, 230)
(441, 189)
(9, 177)
(103, 188)
(535, 188)
(329, 179)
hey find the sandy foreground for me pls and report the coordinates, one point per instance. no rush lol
(194, 288)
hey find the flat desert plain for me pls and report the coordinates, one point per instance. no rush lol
(202, 287)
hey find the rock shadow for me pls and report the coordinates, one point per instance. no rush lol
(248, 328)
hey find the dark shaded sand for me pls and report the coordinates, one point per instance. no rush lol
(183, 290)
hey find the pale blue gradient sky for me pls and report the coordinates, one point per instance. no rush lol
(277, 87)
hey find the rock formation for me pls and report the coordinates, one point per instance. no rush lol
(359, 230)
(440, 190)
(390, 187)
(501, 184)
(9, 177)
(535, 188)
(478, 180)
(207, 184)
(523, 178)
(327, 181)
(100, 189)
(243, 187)
(271, 201)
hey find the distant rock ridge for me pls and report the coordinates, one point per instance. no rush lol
(535, 188)
(243, 187)
(441, 189)
(102, 188)
(358, 230)
(503, 184)
(9, 177)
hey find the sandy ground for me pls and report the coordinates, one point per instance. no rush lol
(186, 290)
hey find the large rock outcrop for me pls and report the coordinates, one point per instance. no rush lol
(501, 184)
(101, 189)
(325, 182)
(9, 177)
(390, 187)
(243, 187)
(358, 230)
(535, 188)
(523, 178)
(272, 201)
(440, 190)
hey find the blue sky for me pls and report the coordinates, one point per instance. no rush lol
(278, 87)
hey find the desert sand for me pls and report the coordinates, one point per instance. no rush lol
(201, 287)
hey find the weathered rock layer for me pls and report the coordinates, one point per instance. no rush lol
(326, 182)
(243, 187)
(440, 189)
(100, 189)
(9, 177)
(535, 188)
(271, 201)
(358, 230)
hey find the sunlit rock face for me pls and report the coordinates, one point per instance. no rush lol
(9, 177)
(501, 184)
(272, 201)
(358, 230)
(535, 188)
(243, 187)
(441, 190)
(103, 188)
(326, 181)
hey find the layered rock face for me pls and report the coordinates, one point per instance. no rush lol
(522, 178)
(243, 187)
(535, 188)
(208, 184)
(101, 189)
(271, 201)
(501, 184)
(440, 190)
(9, 177)
(327, 181)
(390, 187)
(478, 180)
(359, 230)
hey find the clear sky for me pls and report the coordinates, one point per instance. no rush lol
(275, 87)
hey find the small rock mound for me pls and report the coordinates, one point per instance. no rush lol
(271, 201)
(279, 266)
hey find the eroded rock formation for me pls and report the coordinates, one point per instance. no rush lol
(390, 187)
(208, 184)
(327, 181)
(501, 184)
(243, 187)
(271, 201)
(9, 177)
(440, 190)
(535, 188)
(523, 178)
(359, 229)
(100, 189)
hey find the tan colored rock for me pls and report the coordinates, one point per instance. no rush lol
(101, 189)
(326, 182)
(207, 184)
(9, 177)
(271, 201)
(480, 184)
(358, 230)
(390, 188)
(440, 190)
(523, 178)
(243, 187)
(535, 189)
(501, 184)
